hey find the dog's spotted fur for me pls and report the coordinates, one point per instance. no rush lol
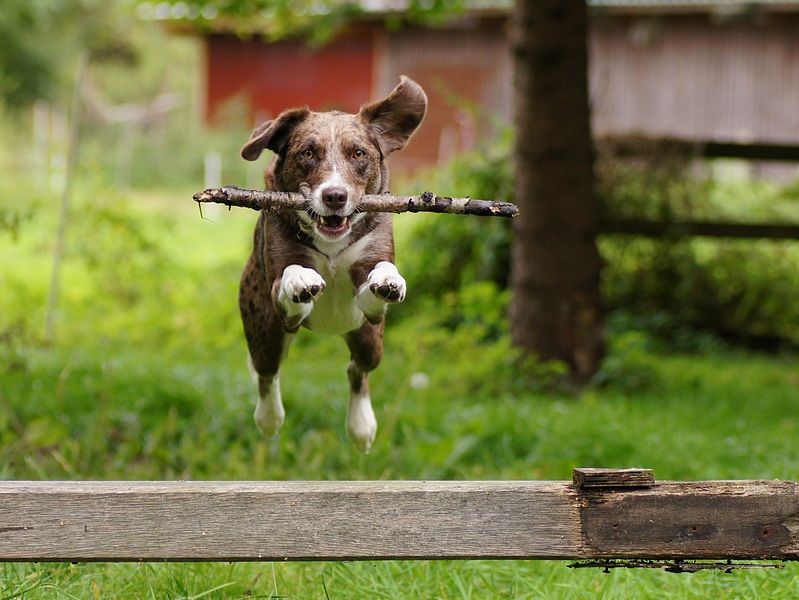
(331, 268)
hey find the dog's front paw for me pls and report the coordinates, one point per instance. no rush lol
(300, 285)
(383, 285)
(386, 283)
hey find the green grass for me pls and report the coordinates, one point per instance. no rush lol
(146, 379)
(389, 580)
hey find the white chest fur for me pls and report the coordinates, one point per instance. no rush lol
(336, 311)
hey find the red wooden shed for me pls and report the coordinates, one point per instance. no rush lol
(692, 69)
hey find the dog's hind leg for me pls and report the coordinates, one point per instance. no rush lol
(361, 421)
(268, 344)
(264, 362)
(269, 412)
(366, 351)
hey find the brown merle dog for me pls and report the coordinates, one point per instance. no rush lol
(329, 268)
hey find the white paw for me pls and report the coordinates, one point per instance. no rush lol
(361, 425)
(269, 419)
(301, 284)
(269, 413)
(299, 287)
(386, 283)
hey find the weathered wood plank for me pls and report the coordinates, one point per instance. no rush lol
(232, 521)
(608, 478)
(695, 520)
(192, 521)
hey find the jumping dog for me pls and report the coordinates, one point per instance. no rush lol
(329, 268)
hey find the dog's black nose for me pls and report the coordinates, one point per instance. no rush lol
(334, 197)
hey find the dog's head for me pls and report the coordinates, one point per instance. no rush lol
(340, 156)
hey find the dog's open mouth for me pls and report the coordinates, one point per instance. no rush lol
(332, 225)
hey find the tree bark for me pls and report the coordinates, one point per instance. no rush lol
(555, 313)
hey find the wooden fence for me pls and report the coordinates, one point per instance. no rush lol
(626, 147)
(601, 514)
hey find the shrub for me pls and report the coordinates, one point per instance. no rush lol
(677, 289)
(460, 261)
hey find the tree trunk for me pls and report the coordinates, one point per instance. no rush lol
(555, 313)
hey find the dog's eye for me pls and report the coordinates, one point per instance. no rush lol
(307, 153)
(358, 154)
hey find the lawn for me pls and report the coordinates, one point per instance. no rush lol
(146, 379)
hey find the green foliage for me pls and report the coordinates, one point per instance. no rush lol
(315, 21)
(520, 580)
(743, 290)
(457, 268)
(159, 149)
(655, 187)
(147, 380)
(42, 39)
(25, 72)
(139, 114)
(134, 270)
(630, 363)
(679, 289)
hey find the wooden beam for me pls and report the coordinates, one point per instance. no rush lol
(695, 520)
(613, 478)
(372, 520)
(192, 521)
(777, 152)
(640, 145)
(666, 229)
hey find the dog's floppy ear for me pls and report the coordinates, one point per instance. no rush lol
(273, 135)
(396, 118)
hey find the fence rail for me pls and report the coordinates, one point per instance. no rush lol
(639, 145)
(611, 516)
(658, 149)
(716, 229)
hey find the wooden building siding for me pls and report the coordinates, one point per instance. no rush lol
(466, 73)
(279, 75)
(685, 77)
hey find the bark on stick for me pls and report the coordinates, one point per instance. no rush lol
(426, 202)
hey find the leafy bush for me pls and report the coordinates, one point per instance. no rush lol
(462, 264)
(654, 185)
(459, 250)
(742, 290)
(677, 289)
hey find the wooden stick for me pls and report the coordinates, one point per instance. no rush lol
(426, 202)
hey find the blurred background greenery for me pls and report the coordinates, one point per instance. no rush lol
(144, 374)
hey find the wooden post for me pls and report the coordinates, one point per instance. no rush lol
(66, 194)
(631, 517)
